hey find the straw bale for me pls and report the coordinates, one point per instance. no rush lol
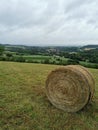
(70, 88)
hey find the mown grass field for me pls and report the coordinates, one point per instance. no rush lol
(24, 105)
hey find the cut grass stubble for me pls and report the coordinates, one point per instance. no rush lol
(24, 104)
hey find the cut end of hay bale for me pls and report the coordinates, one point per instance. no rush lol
(70, 88)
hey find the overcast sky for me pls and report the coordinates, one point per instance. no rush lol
(49, 22)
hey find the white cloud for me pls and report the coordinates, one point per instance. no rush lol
(41, 22)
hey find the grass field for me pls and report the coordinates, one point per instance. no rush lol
(42, 58)
(24, 105)
(36, 57)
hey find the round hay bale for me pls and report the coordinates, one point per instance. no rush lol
(70, 88)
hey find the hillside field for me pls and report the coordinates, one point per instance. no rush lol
(24, 105)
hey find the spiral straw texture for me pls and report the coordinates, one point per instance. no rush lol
(70, 88)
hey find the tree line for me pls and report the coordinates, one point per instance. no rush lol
(75, 55)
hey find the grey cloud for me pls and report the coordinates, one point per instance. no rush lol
(72, 5)
(83, 12)
(19, 12)
(48, 21)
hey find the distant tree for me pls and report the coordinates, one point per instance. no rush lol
(19, 59)
(1, 49)
(46, 61)
(72, 62)
(9, 55)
